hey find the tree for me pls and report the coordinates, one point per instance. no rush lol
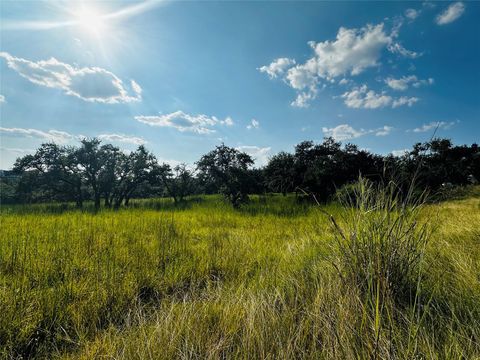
(280, 173)
(91, 158)
(56, 170)
(227, 168)
(179, 182)
(138, 167)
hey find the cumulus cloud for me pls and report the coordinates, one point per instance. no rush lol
(254, 124)
(352, 52)
(56, 136)
(363, 98)
(349, 54)
(404, 82)
(200, 124)
(91, 84)
(452, 13)
(303, 98)
(343, 132)
(277, 67)
(346, 132)
(2, 99)
(135, 140)
(435, 124)
(366, 99)
(259, 154)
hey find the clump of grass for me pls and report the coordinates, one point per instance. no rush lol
(381, 249)
(381, 242)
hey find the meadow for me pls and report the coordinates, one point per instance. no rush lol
(275, 279)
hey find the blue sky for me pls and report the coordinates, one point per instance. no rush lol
(182, 77)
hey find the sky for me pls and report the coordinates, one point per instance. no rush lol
(181, 77)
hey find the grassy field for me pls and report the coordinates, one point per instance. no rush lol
(273, 280)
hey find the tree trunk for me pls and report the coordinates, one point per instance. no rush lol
(97, 201)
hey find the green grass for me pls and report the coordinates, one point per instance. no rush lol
(274, 279)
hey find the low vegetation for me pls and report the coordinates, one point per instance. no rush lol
(380, 276)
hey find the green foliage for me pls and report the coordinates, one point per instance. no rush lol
(271, 280)
(227, 168)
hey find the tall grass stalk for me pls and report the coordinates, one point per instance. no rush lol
(381, 246)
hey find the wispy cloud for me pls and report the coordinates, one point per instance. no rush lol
(16, 150)
(63, 137)
(254, 124)
(434, 125)
(404, 82)
(135, 140)
(57, 136)
(91, 84)
(412, 14)
(346, 132)
(2, 99)
(452, 13)
(200, 124)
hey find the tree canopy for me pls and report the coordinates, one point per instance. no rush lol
(94, 171)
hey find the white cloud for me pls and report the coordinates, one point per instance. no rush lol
(365, 99)
(2, 99)
(452, 13)
(62, 137)
(277, 67)
(396, 48)
(346, 132)
(400, 84)
(91, 84)
(56, 136)
(351, 53)
(254, 124)
(412, 14)
(200, 124)
(362, 98)
(400, 152)
(383, 131)
(404, 82)
(409, 101)
(434, 124)
(343, 132)
(122, 138)
(303, 98)
(17, 150)
(259, 154)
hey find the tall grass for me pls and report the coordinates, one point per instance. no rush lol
(381, 252)
(275, 279)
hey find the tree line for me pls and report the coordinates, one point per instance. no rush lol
(100, 172)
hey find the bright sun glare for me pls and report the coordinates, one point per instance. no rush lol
(90, 20)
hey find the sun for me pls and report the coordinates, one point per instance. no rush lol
(90, 20)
